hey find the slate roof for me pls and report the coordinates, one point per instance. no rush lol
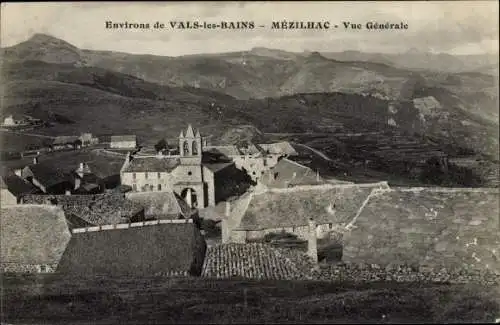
(278, 208)
(17, 186)
(33, 234)
(48, 175)
(283, 147)
(160, 204)
(152, 164)
(215, 167)
(136, 251)
(118, 138)
(290, 173)
(60, 167)
(228, 151)
(445, 228)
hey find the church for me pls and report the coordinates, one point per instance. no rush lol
(186, 174)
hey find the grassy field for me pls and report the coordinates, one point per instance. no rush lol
(161, 301)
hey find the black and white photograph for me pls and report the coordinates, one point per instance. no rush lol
(241, 162)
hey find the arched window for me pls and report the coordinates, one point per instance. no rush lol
(185, 148)
(195, 148)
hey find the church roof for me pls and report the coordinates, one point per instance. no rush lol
(152, 164)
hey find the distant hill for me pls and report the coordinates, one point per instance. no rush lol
(414, 59)
(271, 90)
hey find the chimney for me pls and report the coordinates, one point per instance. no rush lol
(228, 209)
(317, 176)
(35, 160)
(294, 175)
(312, 244)
(67, 192)
(77, 183)
(81, 166)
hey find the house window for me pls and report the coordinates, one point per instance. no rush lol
(265, 162)
(146, 175)
(190, 173)
(330, 225)
(159, 175)
(145, 188)
(293, 229)
(134, 187)
(151, 188)
(43, 268)
(159, 187)
(134, 176)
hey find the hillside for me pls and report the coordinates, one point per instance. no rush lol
(259, 72)
(93, 99)
(153, 97)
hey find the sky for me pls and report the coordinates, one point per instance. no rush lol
(455, 27)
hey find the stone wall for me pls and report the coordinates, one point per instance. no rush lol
(6, 267)
(360, 272)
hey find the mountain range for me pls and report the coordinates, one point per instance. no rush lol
(271, 90)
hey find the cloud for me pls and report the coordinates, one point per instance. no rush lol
(438, 26)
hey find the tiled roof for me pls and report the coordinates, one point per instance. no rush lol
(160, 204)
(152, 164)
(33, 234)
(290, 173)
(136, 251)
(17, 186)
(278, 208)
(117, 138)
(445, 227)
(98, 209)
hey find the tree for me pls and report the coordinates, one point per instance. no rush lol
(161, 145)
